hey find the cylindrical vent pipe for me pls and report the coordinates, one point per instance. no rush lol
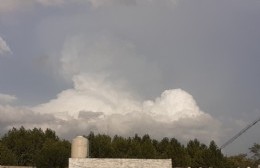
(79, 147)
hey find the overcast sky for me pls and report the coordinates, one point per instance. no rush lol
(178, 68)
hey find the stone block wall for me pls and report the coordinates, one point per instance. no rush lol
(119, 163)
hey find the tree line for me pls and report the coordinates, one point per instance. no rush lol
(44, 149)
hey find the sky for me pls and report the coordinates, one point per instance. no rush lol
(169, 68)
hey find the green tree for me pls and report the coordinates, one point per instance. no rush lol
(120, 147)
(101, 146)
(164, 148)
(196, 152)
(240, 160)
(26, 144)
(91, 139)
(178, 154)
(54, 154)
(6, 156)
(213, 156)
(255, 150)
(147, 148)
(19, 142)
(134, 149)
(50, 134)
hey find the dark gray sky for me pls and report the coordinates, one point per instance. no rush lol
(126, 61)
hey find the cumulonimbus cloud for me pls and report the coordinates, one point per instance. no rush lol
(91, 94)
(95, 106)
(99, 101)
(102, 101)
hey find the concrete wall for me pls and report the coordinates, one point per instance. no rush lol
(119, 163)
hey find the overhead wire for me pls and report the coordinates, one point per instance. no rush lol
(239, 133)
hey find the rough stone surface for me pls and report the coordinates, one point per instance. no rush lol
(119, 163)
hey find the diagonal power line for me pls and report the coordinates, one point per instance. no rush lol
(239, 133)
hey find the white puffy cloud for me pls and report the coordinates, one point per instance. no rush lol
(5, 98)
(173, 105)
(97, 105)
(102, 101)
(4, 48)
(91, 94)
(195, 124)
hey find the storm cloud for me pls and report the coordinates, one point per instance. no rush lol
(101, 99)
(187, 69)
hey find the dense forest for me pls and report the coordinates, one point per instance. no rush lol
(44, 149)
